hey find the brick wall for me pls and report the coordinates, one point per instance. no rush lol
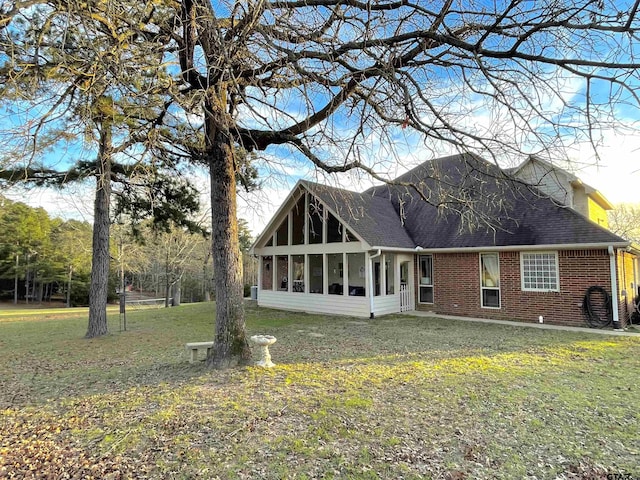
(457, 287)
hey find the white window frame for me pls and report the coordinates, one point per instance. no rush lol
(429, 285)
(522, 272)
(482, 287)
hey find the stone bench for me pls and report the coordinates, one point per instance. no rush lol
(193, 347)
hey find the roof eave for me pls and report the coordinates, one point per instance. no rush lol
(601, 200)
(634, 248)
(506, 248)
(594, 193)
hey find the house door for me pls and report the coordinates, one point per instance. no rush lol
(405, 289)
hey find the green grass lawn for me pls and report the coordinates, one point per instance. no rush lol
(394, 397)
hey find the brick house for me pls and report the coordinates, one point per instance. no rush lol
(456, 235)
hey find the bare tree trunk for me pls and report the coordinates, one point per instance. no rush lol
(167, 285)
(69, 286)
(15, 280)
(206, 291)
(177, 292)
(26, 281)
(230, 344)
(98, 290)
(156, 280)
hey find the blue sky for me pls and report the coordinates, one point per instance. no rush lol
(615, 173)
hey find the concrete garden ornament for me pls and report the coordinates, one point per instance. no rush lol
(263, 341)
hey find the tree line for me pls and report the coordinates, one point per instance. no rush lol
(44, 259)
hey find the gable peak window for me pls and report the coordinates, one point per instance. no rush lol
(282, 234)
(297, 222)
(316, 221)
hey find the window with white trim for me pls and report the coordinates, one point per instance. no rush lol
(425, 288)
(490, 280)
(540, 271)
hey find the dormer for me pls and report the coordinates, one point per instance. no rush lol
(564, 188)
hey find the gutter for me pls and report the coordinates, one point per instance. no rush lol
(371, 286)
(614, 288)
(634, 249)
(506, 248)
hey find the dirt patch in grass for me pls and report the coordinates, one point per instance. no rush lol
(395, 397)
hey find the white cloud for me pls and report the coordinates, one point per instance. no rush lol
(617, 171)
(74, 202)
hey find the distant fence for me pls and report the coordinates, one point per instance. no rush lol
(150, 302)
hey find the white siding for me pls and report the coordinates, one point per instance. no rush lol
(386, 304)
(316, 303)
(553, 183)
(581, 201)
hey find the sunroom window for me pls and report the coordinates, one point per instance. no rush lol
(316, 279)
(267, 272)
(335, 273)
(298, 273)
(282, 273)
(390, 273)
(356, 274)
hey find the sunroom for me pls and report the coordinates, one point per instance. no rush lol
(311, 259)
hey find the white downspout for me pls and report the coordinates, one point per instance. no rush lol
(371, 286)
(614, 288)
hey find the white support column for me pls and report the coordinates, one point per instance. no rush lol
(325, 216)
(345, 274)
(345, 289)
(371, 287)
(306, 273)
(306, 219)
(325, 274)
(274, 272)
(382, 273)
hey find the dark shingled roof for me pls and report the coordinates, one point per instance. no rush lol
(464, 201)
(460, 201)
(372, 218)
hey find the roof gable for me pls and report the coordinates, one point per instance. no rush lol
(463, 201)
(371, 218)
(278, 217)
(560, 182)
(460, 201)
